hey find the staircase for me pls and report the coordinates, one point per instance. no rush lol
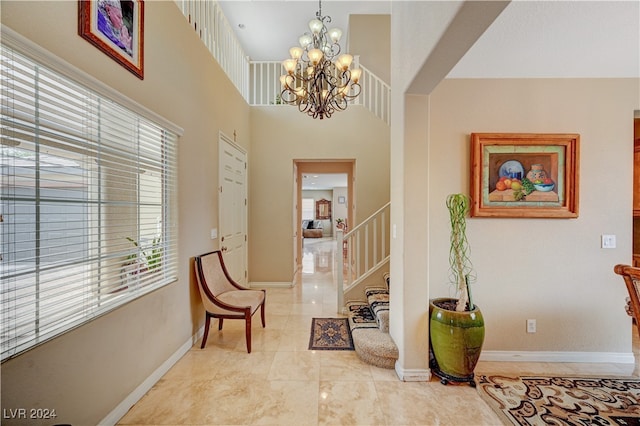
(369, 324)
(365, 255)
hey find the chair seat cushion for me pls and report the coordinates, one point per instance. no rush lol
(242, 298)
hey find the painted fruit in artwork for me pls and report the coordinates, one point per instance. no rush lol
(500, 186)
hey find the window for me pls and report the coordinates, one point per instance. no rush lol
(88, 203)
(308, 209)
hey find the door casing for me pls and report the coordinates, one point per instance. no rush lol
(301, 167)
(232, 207)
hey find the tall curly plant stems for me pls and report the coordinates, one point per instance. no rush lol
(460, 267)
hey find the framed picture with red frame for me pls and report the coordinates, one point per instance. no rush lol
(117, 28)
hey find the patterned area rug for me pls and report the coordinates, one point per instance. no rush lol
(330, 334)
(535, 400)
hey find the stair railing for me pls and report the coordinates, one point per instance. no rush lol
(375, 95)
(361, 251)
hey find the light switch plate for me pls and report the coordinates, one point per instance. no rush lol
(531, 326)
(608, 241)
(214, 233)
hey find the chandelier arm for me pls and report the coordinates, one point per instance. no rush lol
(355, 87)
(340, 104)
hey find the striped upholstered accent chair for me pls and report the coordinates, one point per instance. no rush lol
(223, 298)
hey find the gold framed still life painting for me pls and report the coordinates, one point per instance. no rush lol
(524, 175)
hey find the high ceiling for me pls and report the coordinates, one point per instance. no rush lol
(529, 39)
(270, 28)
(324, 180)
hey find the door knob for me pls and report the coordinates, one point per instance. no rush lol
(223, 248)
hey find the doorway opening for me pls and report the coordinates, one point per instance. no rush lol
(332, 198)
(636, 188)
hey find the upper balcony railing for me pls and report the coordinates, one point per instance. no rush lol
(207, 19)
(259, 82)
(265, 88)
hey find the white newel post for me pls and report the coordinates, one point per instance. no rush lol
(339, 268)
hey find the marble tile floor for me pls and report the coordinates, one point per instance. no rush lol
(283, 383)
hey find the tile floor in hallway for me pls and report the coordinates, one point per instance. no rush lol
(283, 383)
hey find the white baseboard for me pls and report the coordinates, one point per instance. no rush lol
(412, 375)
(419, 375)
(543, 356)
(270, 284)
(121, 409)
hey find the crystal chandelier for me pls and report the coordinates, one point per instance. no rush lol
(318, 78)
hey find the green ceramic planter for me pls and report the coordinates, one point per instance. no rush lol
(456, 341)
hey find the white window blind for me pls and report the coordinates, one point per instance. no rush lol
(88, 204)
(308, 209)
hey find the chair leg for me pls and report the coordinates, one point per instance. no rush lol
(262, 315)
(247, 319)
(220, 323)
(206, 332)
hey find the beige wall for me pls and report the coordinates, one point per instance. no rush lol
(552, 270)
(85, 373)
(280, 135)
(340, 210)
(370, 38)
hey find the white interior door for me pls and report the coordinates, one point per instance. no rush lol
(232, 204)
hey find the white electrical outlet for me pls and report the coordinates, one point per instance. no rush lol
(531, 326)
(608, 241)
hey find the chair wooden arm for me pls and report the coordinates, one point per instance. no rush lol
(631, 276)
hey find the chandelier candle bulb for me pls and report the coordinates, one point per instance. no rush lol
(335, 34)
(315, 55)
(344, 61)
(305, 40)
(289, 65)
(355, 75)
(315, 25)
(296, 52)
